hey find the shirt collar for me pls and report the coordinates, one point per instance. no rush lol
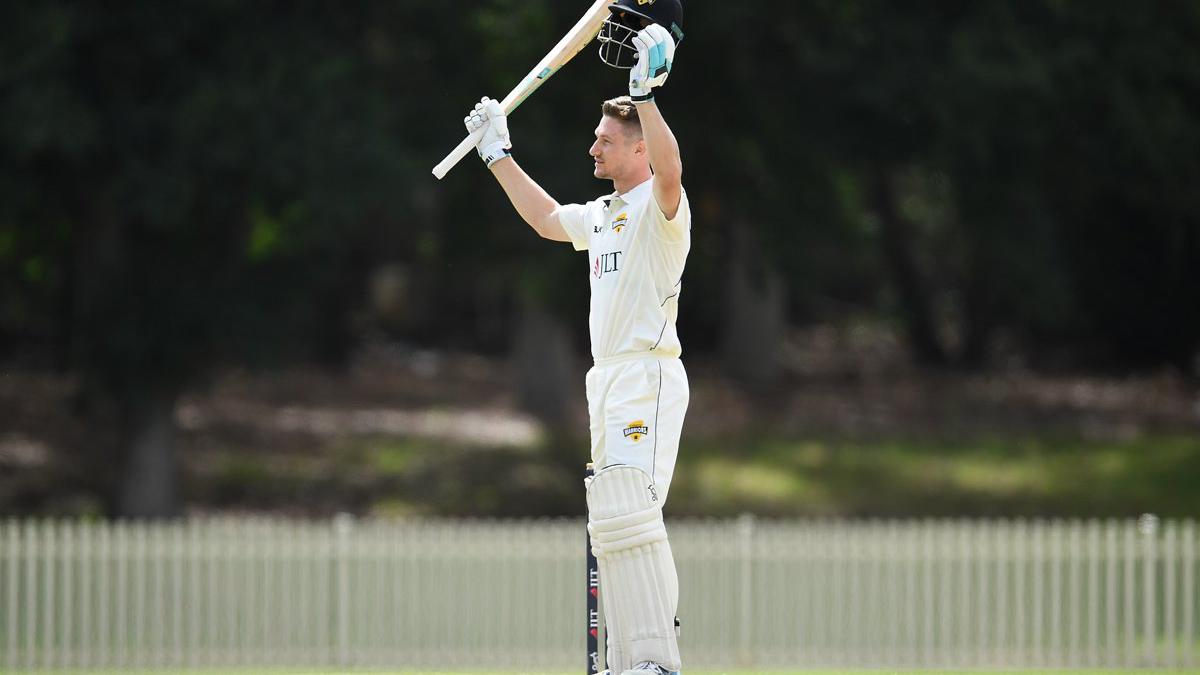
(639, 191)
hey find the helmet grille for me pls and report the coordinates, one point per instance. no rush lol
(616, 40)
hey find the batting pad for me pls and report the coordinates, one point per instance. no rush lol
(638, 583)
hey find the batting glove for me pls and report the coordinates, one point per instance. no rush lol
(656, 52)
(495, 144)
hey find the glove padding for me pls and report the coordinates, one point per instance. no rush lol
(494, 145)
(656, 52)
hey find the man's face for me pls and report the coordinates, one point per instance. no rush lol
(616, 150)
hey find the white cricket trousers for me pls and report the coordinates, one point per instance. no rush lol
(636, 406)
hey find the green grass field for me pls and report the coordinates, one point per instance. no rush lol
(875, 671)
(689, 672)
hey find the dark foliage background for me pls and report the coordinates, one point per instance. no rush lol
(193, 186)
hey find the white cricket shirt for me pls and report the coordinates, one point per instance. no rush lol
(636, 259)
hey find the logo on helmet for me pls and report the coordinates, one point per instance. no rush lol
(630, 16)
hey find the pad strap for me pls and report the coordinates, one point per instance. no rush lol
(614, 535)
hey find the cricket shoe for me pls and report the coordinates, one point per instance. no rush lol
(650, 668)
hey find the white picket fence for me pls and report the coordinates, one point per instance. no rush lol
(510, 594)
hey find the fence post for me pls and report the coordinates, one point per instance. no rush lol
(1111, 558)
(31, 607)
(177, 597)
(1170, 557)
(1189, 593)
(1074, 564)
(962, 559)
(1129, 608)
(745, 527)
(1148, 526)
(1020, 550)
(83, 656)
(67, 638)
(343, 524)
(1001, 548)
(49, 536)
(1092, 657)
(140, 577)
(12, 614)
(104, 566)
(1055, 558)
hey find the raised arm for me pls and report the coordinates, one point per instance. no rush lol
(535, 206)
(664, 158)
(656, 52)
(529, 199)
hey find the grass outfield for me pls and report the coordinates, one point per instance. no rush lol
(687, 672)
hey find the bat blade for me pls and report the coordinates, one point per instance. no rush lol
(584, 31)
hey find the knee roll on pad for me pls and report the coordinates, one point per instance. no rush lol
(638, 583)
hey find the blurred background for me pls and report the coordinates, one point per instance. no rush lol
(945, 261)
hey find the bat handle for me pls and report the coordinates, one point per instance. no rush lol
(457, 154)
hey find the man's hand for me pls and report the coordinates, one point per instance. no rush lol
(494, 145)
(656, 52)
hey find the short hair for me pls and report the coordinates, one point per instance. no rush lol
(623, 110)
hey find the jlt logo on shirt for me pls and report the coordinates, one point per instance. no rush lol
(606, 263)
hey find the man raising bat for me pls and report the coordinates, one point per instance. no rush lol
(637, 238)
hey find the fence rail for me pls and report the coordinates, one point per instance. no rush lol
(510, 594)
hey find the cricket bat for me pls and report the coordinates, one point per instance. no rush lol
(576, 39)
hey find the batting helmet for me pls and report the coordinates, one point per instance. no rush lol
(626, 18)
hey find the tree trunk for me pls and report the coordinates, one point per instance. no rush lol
(149, 483)
(917, 306)
(546, 376)
(977, 320)
(755, 313)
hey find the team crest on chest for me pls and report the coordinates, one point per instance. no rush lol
(636, 430)
(620, 222)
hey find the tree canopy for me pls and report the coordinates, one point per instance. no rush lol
(191, 185)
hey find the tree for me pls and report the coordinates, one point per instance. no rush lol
(199, 178)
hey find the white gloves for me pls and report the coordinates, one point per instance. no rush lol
(494, 145)
(656, 51)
